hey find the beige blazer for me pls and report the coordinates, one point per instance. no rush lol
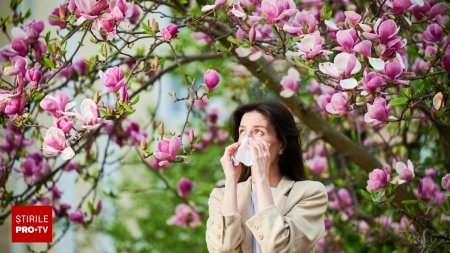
(294, 224)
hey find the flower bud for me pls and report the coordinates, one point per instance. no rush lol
(211, 78)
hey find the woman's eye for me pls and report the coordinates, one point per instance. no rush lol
(258, 132)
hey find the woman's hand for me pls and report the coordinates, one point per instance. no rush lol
(260, 159)
(232, 172)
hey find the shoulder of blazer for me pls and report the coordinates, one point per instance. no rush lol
(305, 189)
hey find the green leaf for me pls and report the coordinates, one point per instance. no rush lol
(48, 63)
(52, 17)
(327, 11)
(47, 37)
(399, 101)
(162, 60)
(135, 100)
(406, 92)
(419, 91)
(128, 109)
(146, 28)
(365, 194)
(409, 202)
(91, 207)
(233, 40)
(250, 7)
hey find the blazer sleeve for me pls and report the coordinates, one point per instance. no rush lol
(223, 233)
(299, 229)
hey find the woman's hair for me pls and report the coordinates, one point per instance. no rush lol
(290, 161)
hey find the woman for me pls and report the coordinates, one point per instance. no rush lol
(267, 207)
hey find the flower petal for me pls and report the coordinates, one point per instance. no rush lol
(348, 84)
(376, 63)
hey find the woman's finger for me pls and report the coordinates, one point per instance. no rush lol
(263, 147)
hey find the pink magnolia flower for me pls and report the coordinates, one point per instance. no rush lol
(344, 66)
(7, 53)
(113, 78)
(203, 36)
(64, 123)
(377, 180)
(185, 216)
(5, 99)
(364, 48)
(385, 221)
(323, 100)
(420, 66)
(328, 222)
(405, 172)
(290, 83)
(118, 9)
(429, 190)
(311, 46)
(32, 30)
(61, 209)
(340, 200)
(431, 172)
(378, 112)
(169, 32)
(338, 104)
(317, 165)
(399, 6)
(57, 105)
(446, 63)
(446, 182)
(33, 76)
(276, 10)
(89, 115)
(201, 103)
(34, 167)
(217, 4)
(347, 39)
(167, 149)
(383, 31)
(212, 79)
(157, 164)
(133, 13)
(303, 23)
(433, 33)
(20, 45)
(13, 139)
(184, 187)
(80, 66)
(58, 15)
(89, 9)
(405, 225)
(134, 132)
(352, 18)
(372, 81)
(16, 104)
(76, 216)
(393, 71)
(55, 142)
(19, 67)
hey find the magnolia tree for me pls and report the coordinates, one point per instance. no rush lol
(367, 81)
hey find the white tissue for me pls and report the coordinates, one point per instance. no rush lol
(243, 154)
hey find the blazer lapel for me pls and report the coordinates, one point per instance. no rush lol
(246, 210)
(281, 194)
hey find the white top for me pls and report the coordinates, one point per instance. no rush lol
(256, 248)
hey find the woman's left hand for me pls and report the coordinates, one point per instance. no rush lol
(260, 158)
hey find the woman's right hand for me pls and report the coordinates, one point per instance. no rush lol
(232, 172)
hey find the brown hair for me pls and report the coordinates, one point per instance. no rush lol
(291, 161)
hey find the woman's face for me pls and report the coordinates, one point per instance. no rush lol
(255, 125)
